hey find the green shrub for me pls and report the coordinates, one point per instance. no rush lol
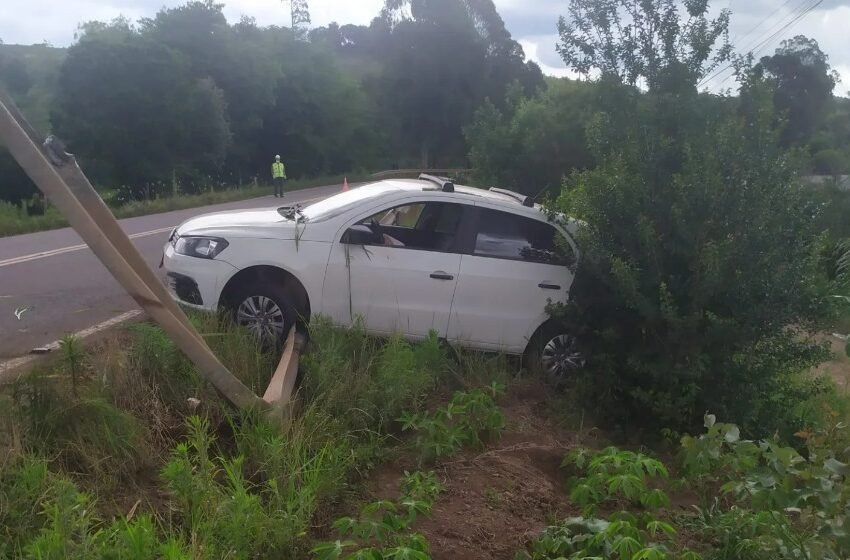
(697, 253)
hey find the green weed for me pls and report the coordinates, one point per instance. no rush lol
(255, 505)
(470, 419)
(365, 381)
(87, 435)
(45, 516)
(382, 530)
(622, 538)
(806, 497)
(616, 477)
(72, 357)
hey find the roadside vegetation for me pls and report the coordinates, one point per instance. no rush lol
(17, 219)
(710, 422)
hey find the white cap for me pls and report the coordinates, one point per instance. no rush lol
(277, 157)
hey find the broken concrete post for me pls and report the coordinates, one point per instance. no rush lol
(280, 389)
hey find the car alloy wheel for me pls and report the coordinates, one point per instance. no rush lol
(263, 317)
(560, 357)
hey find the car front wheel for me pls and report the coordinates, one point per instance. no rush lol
(266, 311)
(554, 353)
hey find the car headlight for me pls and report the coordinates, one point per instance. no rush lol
(201, 247)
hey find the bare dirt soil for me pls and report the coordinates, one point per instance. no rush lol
(496, 499)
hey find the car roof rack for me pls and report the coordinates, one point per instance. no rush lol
(442, 182)
(521, 198)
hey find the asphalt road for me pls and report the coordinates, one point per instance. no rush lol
(66, 287)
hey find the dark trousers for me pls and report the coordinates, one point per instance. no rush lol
(278, 186)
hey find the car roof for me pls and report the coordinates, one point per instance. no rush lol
(418, 185)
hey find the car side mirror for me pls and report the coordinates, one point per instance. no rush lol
(359, 235)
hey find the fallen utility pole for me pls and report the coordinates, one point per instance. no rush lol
(58, 176)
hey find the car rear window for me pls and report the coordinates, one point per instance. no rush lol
(509, 236)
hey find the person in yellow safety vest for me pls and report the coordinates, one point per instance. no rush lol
(278, 176)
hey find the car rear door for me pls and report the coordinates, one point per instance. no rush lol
(406, 283)
(517, 264)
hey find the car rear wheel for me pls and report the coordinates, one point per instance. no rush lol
(266, 311)
(554, 353)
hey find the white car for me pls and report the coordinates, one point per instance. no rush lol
(404, 256)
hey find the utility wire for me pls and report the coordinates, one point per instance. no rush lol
(796, 15)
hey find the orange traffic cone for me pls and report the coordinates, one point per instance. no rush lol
(345, 184)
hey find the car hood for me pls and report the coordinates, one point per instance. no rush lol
(260, 222)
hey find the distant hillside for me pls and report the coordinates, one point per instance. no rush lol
(28, 73)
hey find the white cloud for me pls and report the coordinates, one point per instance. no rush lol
(532, 45)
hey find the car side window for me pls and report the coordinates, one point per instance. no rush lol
(428, 226)
(509, 236)
(400, 216)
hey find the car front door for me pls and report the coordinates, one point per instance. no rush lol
(517, 265)
(402, 279)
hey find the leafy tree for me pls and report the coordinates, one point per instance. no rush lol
(441, 59)
(321, 120)
(696, 249)
(804, 81)
(128, 106)
(531, 144)
(236, 58)
(640, 42)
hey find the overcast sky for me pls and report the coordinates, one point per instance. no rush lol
(532, 22)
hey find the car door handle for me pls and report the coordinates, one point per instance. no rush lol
(548, 286)
(442, 276)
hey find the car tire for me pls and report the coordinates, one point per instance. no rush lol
(553, 353)
(266, 310)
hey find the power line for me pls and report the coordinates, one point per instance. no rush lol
(791, 18)
(796, 15)
(763, 21)
(770, 39)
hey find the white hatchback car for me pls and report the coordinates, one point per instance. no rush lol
(405, 256)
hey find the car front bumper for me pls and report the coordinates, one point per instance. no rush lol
(193, 281)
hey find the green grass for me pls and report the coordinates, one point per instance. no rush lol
(229, 484)
(15, 221)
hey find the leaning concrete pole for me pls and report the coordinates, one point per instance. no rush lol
(48, 169)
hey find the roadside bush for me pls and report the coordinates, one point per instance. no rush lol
(697, 262)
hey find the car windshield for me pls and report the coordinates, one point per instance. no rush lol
(339, 203)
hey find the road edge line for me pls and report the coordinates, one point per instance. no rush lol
(9, 369)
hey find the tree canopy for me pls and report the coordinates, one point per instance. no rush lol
(803, 81)
(186, 98)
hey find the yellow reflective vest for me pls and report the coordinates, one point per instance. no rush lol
(278, 170)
